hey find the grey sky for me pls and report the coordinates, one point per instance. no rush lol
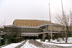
(30, 9)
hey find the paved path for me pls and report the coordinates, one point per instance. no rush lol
(20, 45)
(54, 46)
(41, 45)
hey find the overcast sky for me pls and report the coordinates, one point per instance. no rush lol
(31, 9)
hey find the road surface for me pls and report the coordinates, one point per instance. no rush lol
(36, 44)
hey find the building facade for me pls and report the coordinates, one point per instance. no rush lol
(33, 29)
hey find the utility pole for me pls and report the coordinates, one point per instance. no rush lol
(71, 22)
(50, 21)
(64, 18)
(62, 8)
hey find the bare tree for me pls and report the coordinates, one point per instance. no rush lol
(64, 21)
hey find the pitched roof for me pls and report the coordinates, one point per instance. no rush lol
(30, 22)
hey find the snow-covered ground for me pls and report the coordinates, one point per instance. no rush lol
(12, 45)
(59, 43)
(26, 45)
(29, 45)
(66, 45)
(60, 40)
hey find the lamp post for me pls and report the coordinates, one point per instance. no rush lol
(50, 21)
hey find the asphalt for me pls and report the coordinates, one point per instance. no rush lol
(20, 45)
(40, 45)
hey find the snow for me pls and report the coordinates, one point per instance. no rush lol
(70, 40)
(60, 40)
(48, 43)
(28, 45)
(12, 45)
(58, 43)
(53, 42)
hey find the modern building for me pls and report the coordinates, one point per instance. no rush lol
(33, 29)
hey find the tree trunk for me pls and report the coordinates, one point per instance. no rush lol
(66, 37)
(66, 32)
(43, 37)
